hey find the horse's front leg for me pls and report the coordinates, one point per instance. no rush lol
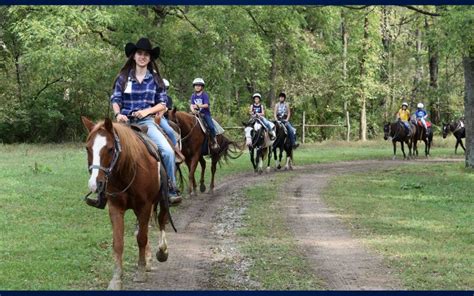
(269, 158)
(116, 217)
(280, 156)
(192, 171)
(260, 154)
(252, 159)
(462, 145)
(142, 240)
(403, 150)
(409, 144)
(202, 186)
(162, 253)
(394, 143)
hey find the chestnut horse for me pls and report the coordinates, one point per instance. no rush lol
(194, 148)
(126, 176)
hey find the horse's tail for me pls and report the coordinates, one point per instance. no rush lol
(164, 193)
(228, 149)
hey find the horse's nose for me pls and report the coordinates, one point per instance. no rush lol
(93, 184)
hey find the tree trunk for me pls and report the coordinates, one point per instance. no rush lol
(273, 74)
(384, 73)
(469, 109)
(345, 37)
(419, 69)
(433, 65)
(363, 113)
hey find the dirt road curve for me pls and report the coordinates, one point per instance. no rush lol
(206, 236)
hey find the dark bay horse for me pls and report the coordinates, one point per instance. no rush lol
(422, 134)
(193, 140)
(459, 132)
(398, 133)
(126, 176)
(283, 143)
(256, 139)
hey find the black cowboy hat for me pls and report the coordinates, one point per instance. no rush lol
(143, 44)
(282, 94)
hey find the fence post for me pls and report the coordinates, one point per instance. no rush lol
(348, 123)
(303, 127)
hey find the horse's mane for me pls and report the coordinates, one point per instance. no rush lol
(132, 148)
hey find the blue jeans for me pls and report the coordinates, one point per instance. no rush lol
(291, 132)
(266, 123)
(166, 150)
(207, 118)
(164, 124)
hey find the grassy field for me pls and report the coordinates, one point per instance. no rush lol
(51, 240)
(420, 217)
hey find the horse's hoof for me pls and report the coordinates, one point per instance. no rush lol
(260, 172)
(286, 168)
(279, 167)
(202, 187)
(140, 277)
(291, 168)
(393, 158)
(148, 267)
(115, 285)
(269, 169)
(162, 256)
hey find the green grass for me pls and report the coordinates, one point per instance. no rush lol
(50, 239)
(277, 262)
(419, 216)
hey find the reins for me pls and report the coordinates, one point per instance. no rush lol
(191, 130)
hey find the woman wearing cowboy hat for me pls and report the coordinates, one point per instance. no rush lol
(139, 93)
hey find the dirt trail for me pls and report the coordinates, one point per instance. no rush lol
(206, 236)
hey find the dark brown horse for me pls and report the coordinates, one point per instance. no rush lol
(423, 134)
(459, 132)
(194, 148)
(283, 143)
(398, 133)
(126, 176)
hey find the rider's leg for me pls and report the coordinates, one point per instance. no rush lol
(292, 132)
(166, 150)
(168, 130)
(212, 129)
(270, 127)
(164, 124)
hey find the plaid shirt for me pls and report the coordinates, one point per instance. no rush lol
(142, 95)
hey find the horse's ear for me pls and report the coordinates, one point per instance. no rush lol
(108, 125)
(87, 123)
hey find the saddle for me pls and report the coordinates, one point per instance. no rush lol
(205, 128)
(428, 123)
(141, 131)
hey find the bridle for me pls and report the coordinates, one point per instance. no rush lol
(102, 188)
(191, 130)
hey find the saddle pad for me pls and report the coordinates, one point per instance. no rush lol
(428, 124)
(218, 127)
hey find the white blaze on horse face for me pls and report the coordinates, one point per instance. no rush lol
(248, 137)
(257, 126)
(99, 143)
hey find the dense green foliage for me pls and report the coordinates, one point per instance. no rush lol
(59, 62)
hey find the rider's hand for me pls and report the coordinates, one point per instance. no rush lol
(141, 114)
(121, 118)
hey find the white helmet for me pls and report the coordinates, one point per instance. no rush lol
(166, 82)
(420, 105)
(198, 81)
(405, 104)
(256, 95)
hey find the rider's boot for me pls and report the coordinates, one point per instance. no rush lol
(174, 196)
(179, 156)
